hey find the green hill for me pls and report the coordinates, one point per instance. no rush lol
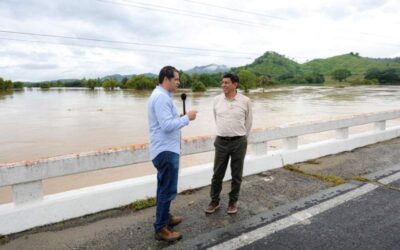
(356, 64)
(273, 65)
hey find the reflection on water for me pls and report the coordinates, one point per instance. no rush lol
(36, 123)
(5, 94)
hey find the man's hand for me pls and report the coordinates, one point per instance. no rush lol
(192, 115)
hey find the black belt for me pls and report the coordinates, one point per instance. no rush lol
(230, 138)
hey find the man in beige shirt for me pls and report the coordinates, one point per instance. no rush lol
(233, 117)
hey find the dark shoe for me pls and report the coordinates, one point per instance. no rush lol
(167, 234)
(212, 207)
(232, 208)
(174, 220)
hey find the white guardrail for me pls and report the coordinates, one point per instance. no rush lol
(30, 208)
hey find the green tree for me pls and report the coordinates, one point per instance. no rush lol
(341, 74)
(297, 79)
(140, 82)
(91, 83)
(206, 79)
(373, 73)
(216, 79)
(110, 84)
(84, 82)
(58, 84)
(5, 84)
(44, 85)
(198, 87)
(185, 80)
(263, 81)
(389, 76)
(123, 82)
(286, 76)
(195, 77)
(247, 79)
(8, 84)
(18, 85)
(74, 83)
(315, 78)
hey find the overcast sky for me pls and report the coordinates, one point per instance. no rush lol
(131, 37)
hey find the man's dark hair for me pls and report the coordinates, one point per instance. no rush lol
(234, 78)
(168, 72)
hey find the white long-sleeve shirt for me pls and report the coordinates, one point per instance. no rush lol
(164, 123)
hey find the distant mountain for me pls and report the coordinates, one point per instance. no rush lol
(150, 75)
(211, 68)
(117, 77)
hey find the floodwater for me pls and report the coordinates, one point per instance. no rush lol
(37, 123)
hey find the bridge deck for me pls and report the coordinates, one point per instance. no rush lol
(127, 229)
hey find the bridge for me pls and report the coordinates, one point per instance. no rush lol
(36, 209)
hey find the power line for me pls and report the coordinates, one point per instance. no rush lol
(161, 8)
(127, 49)
(234, 9)
(122, 42)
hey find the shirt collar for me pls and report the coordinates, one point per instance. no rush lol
(233, 99)
(164, 90)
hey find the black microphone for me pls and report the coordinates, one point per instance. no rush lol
(183, 97)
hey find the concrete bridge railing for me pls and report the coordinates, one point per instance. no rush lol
(31, 208)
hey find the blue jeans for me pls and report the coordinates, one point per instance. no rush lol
(167, 164)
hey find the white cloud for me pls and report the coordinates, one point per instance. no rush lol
(302, 30)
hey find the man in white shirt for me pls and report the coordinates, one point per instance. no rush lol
(233, 117)
(165, 137)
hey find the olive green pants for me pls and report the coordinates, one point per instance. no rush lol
(236, 151)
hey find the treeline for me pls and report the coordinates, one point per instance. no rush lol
(196, 82)
(248, 79)
(384, 76)
(290, 78)
(9, 85)
(200, 82)
(138, 82)
(390, 76)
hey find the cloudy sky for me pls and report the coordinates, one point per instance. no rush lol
(47, 40)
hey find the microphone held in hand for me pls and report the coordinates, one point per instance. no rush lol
(183, 97)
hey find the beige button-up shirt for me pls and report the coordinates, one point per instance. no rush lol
(233, 117)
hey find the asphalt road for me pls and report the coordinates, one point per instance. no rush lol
(371, 221)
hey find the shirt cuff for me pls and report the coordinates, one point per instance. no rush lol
(185, 120)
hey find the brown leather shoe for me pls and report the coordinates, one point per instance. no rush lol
(174, 220)
(232, 208)
(167, 234)
(212, 207)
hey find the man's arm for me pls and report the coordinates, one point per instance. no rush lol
(249, 118)
(215, 112)
(162, 107)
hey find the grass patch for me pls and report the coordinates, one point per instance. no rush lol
(189, 191)
(293, 168)
(314, 162)
(142, 204)
(336, 180)
(361, 179)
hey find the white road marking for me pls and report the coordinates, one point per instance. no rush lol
(300, 217)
